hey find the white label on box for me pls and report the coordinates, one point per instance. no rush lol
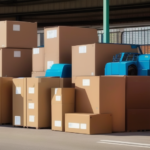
(82, 49)
(86, 82)
(17, 120)
(51, 34)
(58, 98)
(31, 105)
(83, 126)
(36, 50)
(56, 91)
(49, 64)
(3, 45)
(16, 27)
(92, 73)
(74, 125)
(57, 123)
(31, 118)
(17, 53)
(18, 90)
(31, 90)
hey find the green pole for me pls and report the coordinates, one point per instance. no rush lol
(106, 21)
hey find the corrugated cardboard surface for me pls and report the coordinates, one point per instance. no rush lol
(62, 101)
(19, 102)
(58, 47)
(138, 119)
(92, 61)
(38, 74)
(100, 95)
(38, 57)
(15, 62)
(25, 34)
(5, 100)
(88, 123)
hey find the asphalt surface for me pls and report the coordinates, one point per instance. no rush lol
(12, 138)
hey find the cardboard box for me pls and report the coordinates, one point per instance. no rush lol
(88, 123)
(5, 100)
(38, 58)
(101, 95)
(138, 119)
(39, 100)
(38, 74)
(58, 41)
(17, 34)
(137, 92)
(19, 102)
(90, 60)
(62, 101)
(15, 62)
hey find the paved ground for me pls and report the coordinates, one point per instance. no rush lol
(44, 139)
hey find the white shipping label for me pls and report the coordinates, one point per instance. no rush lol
(74, 125)
(51, 34)
(58, 98)
(57, 123)
(18, 90)
(83, 126)
(16, 27)
(82, 49)
(31, 90)
(56, 91)
(31, 118)
(17, 120)
(49, 64)
(86, 82)
(17, 53)
(36, 50)
(31, 105)
(92, 73)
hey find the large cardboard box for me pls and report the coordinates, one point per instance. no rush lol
(19, 102)
(17, 34)
(38, 74)
(88, 123)
(15, 62)
(5, 100)
(138, 119)
(38, 58)
(137, 92)
(59, 40)
(62, 102)
(90, 60)
(101, 95)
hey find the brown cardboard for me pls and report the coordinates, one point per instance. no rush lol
(17, 34)
(137, 92)
(62, 101)
(58, 41)
(15, 62)
(38, 74)
(38, 59)
(5, 100)
(138, 119)
(90, 60)
(101, 95)
(19, 102)
(88, 123)
(65, 82)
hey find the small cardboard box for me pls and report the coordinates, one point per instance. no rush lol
(62, 101)
(88, 123)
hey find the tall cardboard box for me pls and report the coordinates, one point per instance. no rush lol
(101, 95)
(62, 102)
(90, 60)
(18, 34)
(138, 119)
(15, 62)
(59, 40)
(5, 100)
(19, 102)
(38, 74)
(88, 123)
(38, 59)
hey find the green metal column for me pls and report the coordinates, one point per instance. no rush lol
(106, 21)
